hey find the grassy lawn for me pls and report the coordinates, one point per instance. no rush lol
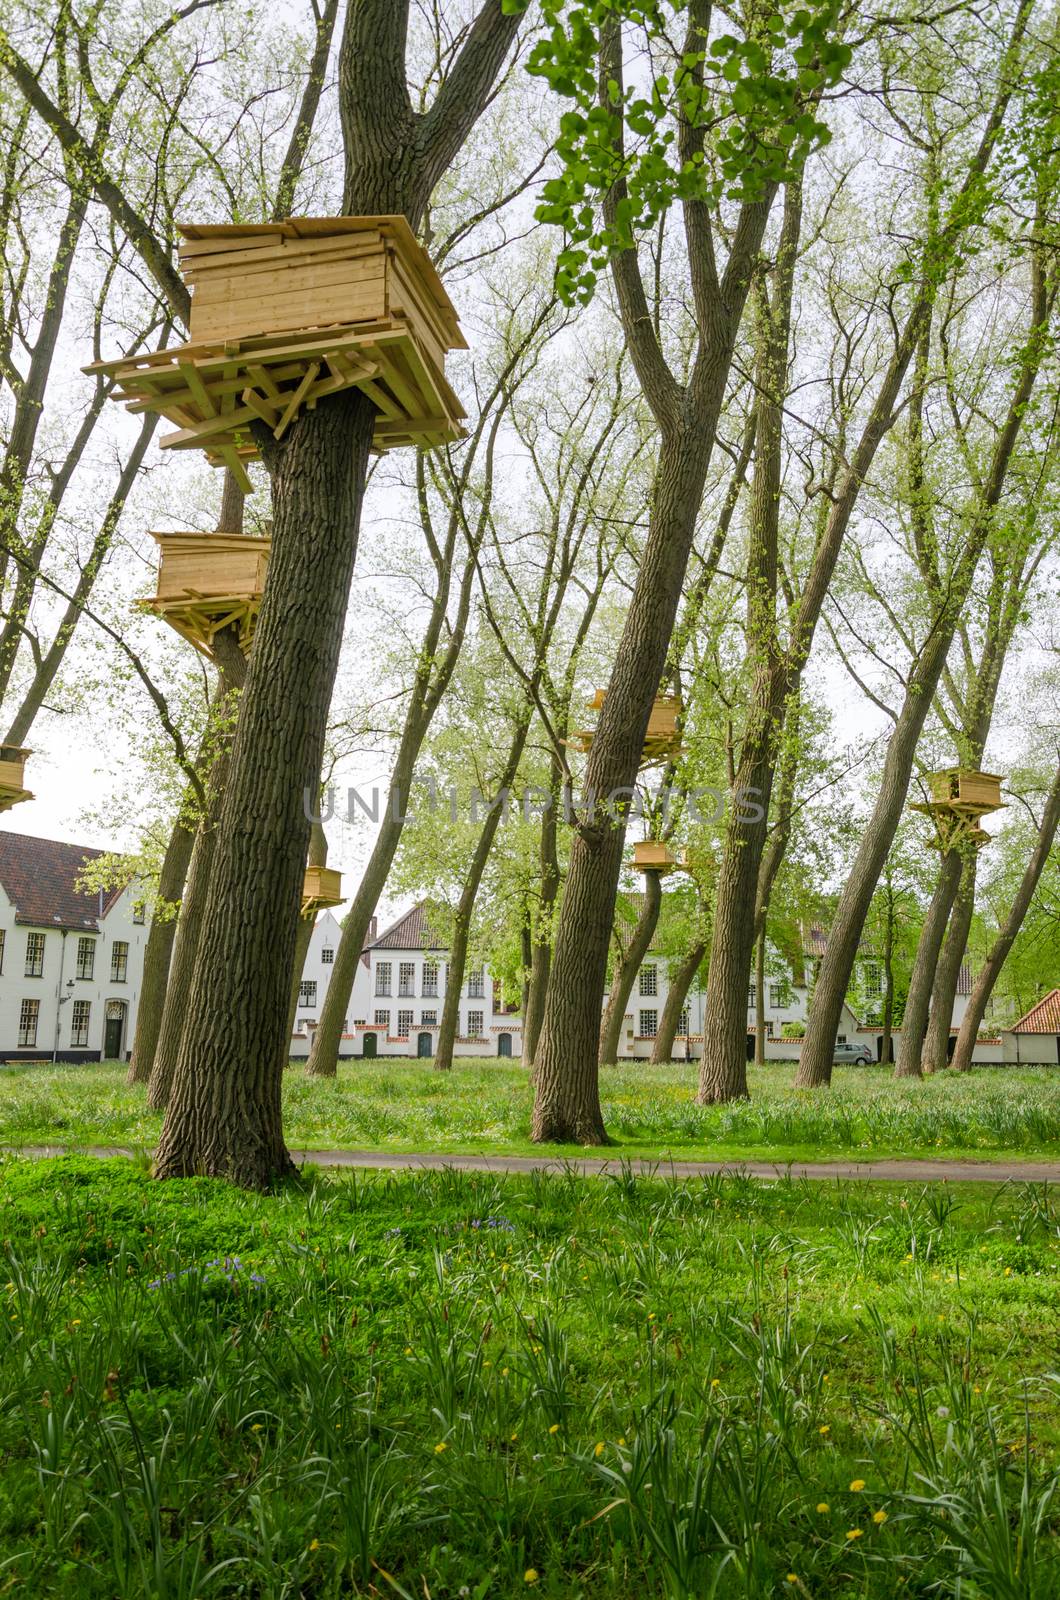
(453, 1385)
(398, 1105)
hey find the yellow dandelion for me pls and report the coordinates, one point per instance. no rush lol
(255, 1427)
(440, 1447)
(879, 1517)
(554, 1428)
(622, 1441)
(826, 1377)
(853, 1533)
(504, 1372)
(1008, 1272)
(530, 1575)
(408, 1349)
(599, 1450)
(793, 1577)
(514, 1437)
(715, 1383)
(856, 1486)
(76, 1322)
(314, 1544)
(825, 1430)
(976, 1389)
(823, 1506)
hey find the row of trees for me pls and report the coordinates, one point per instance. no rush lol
(775, 412)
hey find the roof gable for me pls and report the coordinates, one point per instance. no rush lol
(411, 932)
(39, 878)
(1042, 1018)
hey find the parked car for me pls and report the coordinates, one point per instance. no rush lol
(854, 1055)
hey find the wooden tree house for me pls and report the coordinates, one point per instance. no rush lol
(650, 855)
(12, 776)
(209, 581)
(284, 314)
(959, 798)
(322, 888)
(660, 739)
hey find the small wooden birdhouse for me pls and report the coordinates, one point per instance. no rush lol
(12, 776)
(660, 739)
(284, 314)
(963, 790)
(210, 581)
(649, 855)
(322, 887)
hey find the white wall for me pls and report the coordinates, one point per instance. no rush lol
(59, 980)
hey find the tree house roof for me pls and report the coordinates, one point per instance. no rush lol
(284, 315)
(209, 581)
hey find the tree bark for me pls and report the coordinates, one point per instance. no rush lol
(990, 971)
(760, 999)
(159, 952)
(887, 1036)
(224, 1115)
(918, 1000)
(629, 964)
(676, 995)
(541, 954)
(936, 1052)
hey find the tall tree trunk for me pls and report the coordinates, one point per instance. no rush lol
(887, 1036)
(224, 1115)
(541, 956)
(990, 971)
(918, 1000)
(936, 1052)
(629, 964)
(760, 999)
(443, 1055)
(176, 863)
(677, 993)
(189, 925)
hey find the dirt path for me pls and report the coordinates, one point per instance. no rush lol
(887, 1171)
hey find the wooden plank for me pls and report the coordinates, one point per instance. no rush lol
(400, 388)
(263, 380)
(297, 253)
(267, 413)
(197, 387)
(296, 400)
(187, 438)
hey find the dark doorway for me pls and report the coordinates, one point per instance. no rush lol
(114, 1030)
(951, 1045)
(879, 1048)
(368, 1048)
(504, 1044)
(423, 1044)
(750, 1047)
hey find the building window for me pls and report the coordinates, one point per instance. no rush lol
(138, 915)
(649, 981)
(27, 1024)
(476, 984)
(86, 958)
(682, 1026)
(382, 978)
(769, 1030)
(382, 1020)
(119, 961)
(649, 1024)
(429, 1019)
(873, 978)
(407, 979)
(840, 1038)
(307, 992)
(474, 1024)
(751, 1000)
(79, 1024)
(430, 979)
(327, 958)
(34, 955)
(404, 1024)
(776, 996)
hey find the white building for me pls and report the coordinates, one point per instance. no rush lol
(70, 962)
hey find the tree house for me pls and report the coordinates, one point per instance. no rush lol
(959, 797)
(322, 888)
(12, 776)
(209, 581)
(284, 314)
(649, 855)
(660, 738)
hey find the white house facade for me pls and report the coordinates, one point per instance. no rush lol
(70, 962)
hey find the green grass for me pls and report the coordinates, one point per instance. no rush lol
(997, 1113)
(437, 1384)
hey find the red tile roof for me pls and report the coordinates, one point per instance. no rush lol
(1042, 1018)
(411, 932)
(39, 877)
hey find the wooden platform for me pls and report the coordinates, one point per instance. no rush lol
(959, 797)
(660, 740)
(322, 888)
(209, 581)
(284, 315)
(12, 776)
